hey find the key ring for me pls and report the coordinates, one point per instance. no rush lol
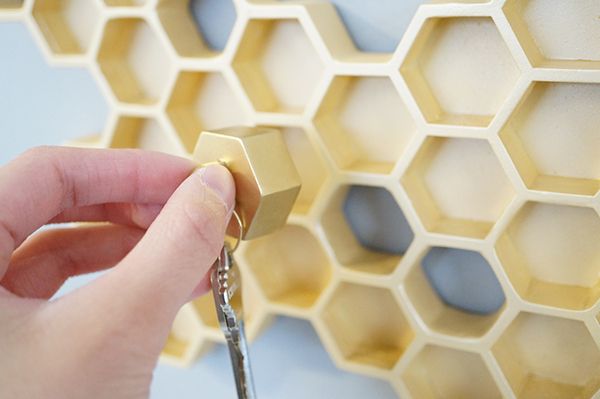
(240, 230)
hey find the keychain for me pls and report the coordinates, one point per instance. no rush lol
(226, 288)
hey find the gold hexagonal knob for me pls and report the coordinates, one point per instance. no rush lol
(266, 179)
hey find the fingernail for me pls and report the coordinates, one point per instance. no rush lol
(220, 181)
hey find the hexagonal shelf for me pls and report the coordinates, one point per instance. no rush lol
(290, 266)
(134, 62)
(538, 24)
(278, 65)
(553, 138)
(366, 325)
(184, 23)
(460, 71)
(550, 254)
(364, 123)
(185, 342)
(455, 292)
(203, 101)
(545, 356)
(458, 186)
(366, 229)
(438, 372)
(67, 25)
(145, 133)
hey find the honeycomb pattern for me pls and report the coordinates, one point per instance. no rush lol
(481, 131)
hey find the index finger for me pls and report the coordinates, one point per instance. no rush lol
(45, 181)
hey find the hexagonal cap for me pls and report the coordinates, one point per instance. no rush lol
(266, 179)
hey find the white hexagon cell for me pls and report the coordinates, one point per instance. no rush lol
(68, 26)
(458, 186)
(455, 292)
(367, 229)
(311, 167)
(134, 61)
(557, 34)
(551, 255)
(186, 28)
(290, 265)
(548, 357)
(366, 325)
(203, 101)
(364, 123)
(278, 65)
(554, 140)
(144, 133)
(438, 372)
(460, 71)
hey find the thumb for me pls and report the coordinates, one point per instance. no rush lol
(159, 275)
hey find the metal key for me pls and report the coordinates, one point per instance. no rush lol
(226, 287)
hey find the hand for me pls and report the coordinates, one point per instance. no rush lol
(166, 230)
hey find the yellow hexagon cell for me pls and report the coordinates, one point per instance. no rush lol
(538, 24)
(439, 372)
(290, 266)
(134, 62)
(203, 101)
(366, 325)
(460, 70)
(278, 65)
(364, 123)
(449, 308)
(67, 25)
(553, 137)
(545, 356)
(551, 255)
(458, 186)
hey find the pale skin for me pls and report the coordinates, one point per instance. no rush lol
(167, 225)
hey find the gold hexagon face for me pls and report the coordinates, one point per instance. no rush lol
(266, 179)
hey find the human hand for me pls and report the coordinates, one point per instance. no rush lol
(166, 230)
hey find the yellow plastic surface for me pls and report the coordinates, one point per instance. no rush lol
(483, 125)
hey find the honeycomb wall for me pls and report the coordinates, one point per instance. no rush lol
(481, 129)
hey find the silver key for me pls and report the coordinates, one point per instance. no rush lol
(226, 287)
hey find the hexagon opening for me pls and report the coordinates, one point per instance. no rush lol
(310, 165)
(364, 123)
(553, 138)
(144, 133)
(545, 356)
(290, 266)
(550, 254)
(458, 186)
(366, 229)
(537, 24)
(438, 372)
(455, 292)
(191, 27)
(367, 325)
(67, 25)
(277, 65)
(460, 71)
(203, 101)
(133, 61)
